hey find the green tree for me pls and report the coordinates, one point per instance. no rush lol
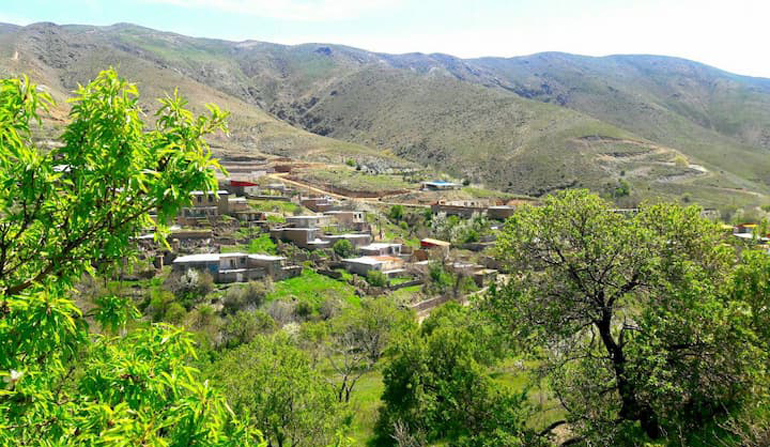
(630, 316)
(273, 381)
(244, 326)
(437, 387)
(358, 338)
(376, 278)
(396, 212)
(343, 248)
(64, 211)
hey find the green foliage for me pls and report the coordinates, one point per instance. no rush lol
(396, 212)
(631, 316)
(190, 286)
(376, 278)
(314, 288)
(248, 296)
(459, 231)
(245, 325)
(350, 162)
(62, 385)
(623, 189)
(437, 388)
(359, 337)
(272, 381)
(263, 245)
(343, 248)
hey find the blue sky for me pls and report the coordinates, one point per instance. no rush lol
(729, 34)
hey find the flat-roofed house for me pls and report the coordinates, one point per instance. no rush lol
(389, 265)
(500, 212)
(353, 220)
(208, 262)
(434, 243)
(237, 267)
(319, 204)
(308, 221)
(440, 185)
(301, 237)
(381, 249)
(462, 208)
(356, 239)
(205, 205)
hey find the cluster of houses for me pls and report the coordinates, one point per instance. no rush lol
(328, 224)
(469, 208)
(238, 267)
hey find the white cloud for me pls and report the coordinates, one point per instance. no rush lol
(299, 10)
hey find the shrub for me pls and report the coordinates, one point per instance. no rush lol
(190, 286)
(350, 162)
(175, 313)
(376, 278)
(242, 327)
(396, 212)
(343, 248)
(251, 296)
(303, 310)
(281, 310)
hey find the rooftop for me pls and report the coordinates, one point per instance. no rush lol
(221, 192)
(379, 245)
(368, 260)
(430, 241)
(440, 183)
(262, 257)
(203, 257)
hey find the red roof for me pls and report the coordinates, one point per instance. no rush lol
(241, 183)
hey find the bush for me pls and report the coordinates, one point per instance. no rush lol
(246, 296)
(330, 308)
(303, 310)
(376, 278)
(190, 286)
(350, 162)
(396, 212)
(281, 310)
(242, 327)
(175, 313)
(343, 248)
(160, 302)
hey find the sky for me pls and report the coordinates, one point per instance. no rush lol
(728, 34)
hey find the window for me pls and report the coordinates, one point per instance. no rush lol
(200, 199)
(232, 263)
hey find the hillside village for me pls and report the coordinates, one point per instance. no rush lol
(317, 245)
(258, 225)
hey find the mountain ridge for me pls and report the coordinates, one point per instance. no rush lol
(525, 124)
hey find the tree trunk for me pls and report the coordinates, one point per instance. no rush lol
(631, 408)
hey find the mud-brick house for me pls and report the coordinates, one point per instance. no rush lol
(308, 221)
(381, 249)
(308, 238)
(461, 208)
(353, 220)
(389, 265)
(237, 267)
(356, 239)
(205, 205)
(500, 212)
